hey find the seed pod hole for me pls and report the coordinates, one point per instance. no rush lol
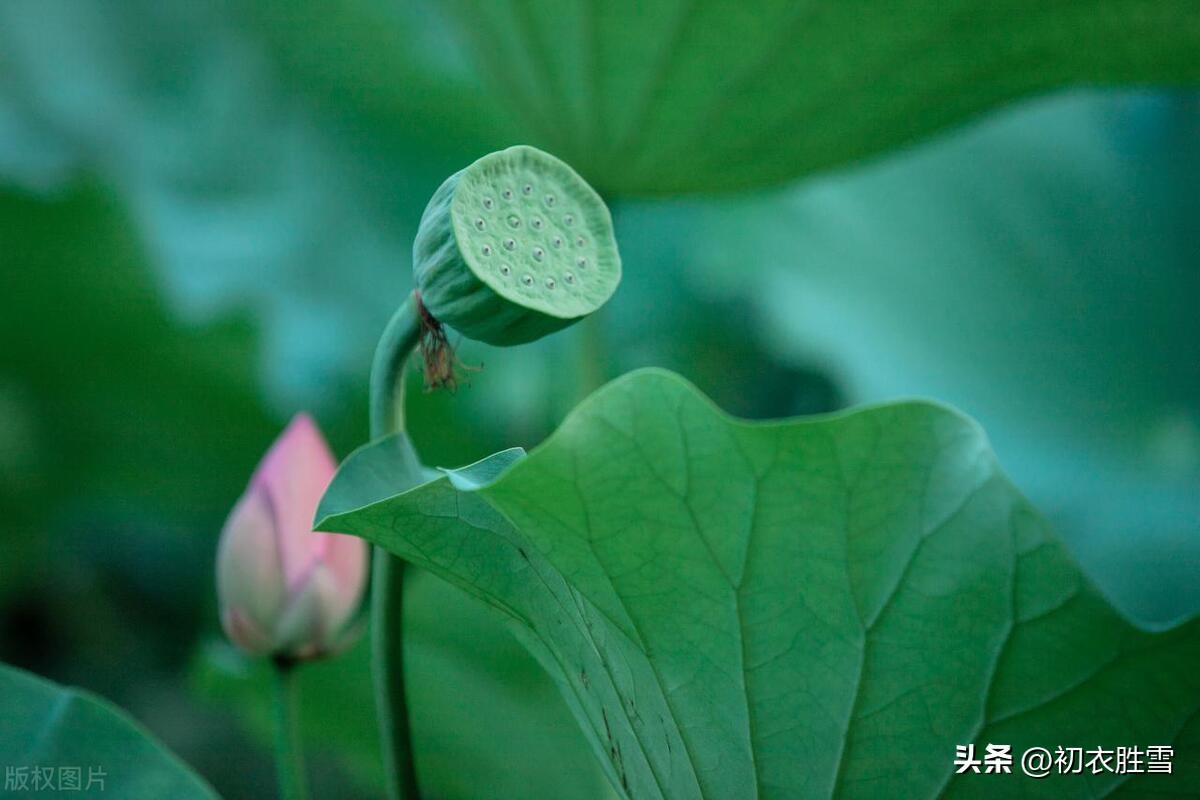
(538, 253)
(550, 200)
(507, 194)
(486, 249)
(569, 277)
(536, 223)
(557, 242)
(527, 279)
(581, 262)
(488, 203)
(527, 190)
(568, 219)
(581, 242)
(550, 284)
(505, 269)
(480, 224)
(514, 221)
(510, 244)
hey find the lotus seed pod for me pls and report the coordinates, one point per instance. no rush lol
(514, 247)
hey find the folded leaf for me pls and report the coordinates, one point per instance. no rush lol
(60, 730)
(794, 609)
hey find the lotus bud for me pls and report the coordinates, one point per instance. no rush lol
(514, 247)
(285, 590)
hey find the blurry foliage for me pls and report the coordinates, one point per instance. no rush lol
(666, 96)
(498, 731)
(108, 552)
(1040, 273)
(109, 400)
(174, 170)
(145, 432)
(43, 723)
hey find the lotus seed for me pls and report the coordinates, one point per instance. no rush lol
(507, 194)
(580, 242)
(582, 263)
(549, 283)
(504, 269)
(480, 224)
(538, 253)
(536, 223)
(488, 203)
(514, 221)
(527, 189)
(486, 250)
(549, 199)
(569, 277)
(510, 244)
(569, 219)
(557, 241)
(527, 279)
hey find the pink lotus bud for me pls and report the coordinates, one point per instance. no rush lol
(284, 589)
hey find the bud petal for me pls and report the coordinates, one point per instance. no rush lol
(250, 583)
(244, 633)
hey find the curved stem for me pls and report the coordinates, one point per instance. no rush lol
(399, 340)
(289, 751)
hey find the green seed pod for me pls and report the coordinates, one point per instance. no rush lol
(514, 247)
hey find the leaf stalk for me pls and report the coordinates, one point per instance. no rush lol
(400, 339)
(289, 748)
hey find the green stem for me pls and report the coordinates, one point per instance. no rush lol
(593, 361)
(400, 338)
(289, 751)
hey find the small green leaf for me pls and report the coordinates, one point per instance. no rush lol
(52, 727)
(795, 609)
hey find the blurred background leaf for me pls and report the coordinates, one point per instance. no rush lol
(58, 729)
(677, 96)
(206, 212)
(111, 403)
(128, 435)
(488, 723)
(1039, 272)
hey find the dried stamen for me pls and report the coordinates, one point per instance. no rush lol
(440, 363)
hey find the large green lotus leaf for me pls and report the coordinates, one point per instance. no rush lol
(51, 726)
(792, 609)
(390, 71)
(666, 96)
(679, 95)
